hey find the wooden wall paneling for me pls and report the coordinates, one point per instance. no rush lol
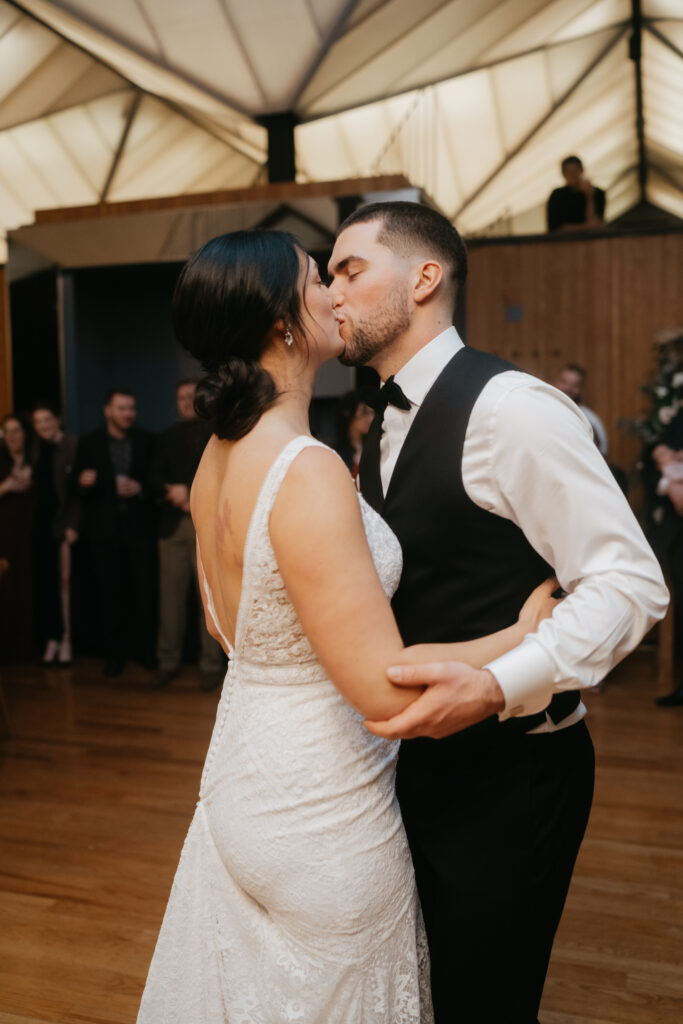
(598, 302)
(647, 297)
(597, 357)
(5, 346)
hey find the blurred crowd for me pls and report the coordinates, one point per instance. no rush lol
(100, 526)
(96, 537)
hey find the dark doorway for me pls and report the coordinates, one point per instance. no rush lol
(35, 341)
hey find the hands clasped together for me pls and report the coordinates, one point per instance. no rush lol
(456, 695)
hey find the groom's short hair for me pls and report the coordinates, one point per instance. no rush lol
(409, 228)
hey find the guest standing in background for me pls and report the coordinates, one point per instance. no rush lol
(578, 205)
(354, 418)
(179, 450)
(111, 472)
(16, 515)
(54, 531)
(667, 530)
(571, 381)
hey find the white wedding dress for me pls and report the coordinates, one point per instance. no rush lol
(294, 900)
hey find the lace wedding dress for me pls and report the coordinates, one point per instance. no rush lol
(294, 900)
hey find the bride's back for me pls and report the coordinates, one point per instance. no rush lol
(223, 498)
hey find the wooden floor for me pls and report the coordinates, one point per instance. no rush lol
(98, 780)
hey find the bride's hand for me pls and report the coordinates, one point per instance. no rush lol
(539, 605)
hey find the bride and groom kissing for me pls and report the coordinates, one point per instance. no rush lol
(420, 611)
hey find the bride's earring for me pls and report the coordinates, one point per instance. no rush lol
(288, 338)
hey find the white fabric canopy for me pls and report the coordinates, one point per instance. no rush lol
(475, 101)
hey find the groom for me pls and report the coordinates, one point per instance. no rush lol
(491, 481)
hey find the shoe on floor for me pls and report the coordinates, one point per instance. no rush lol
(672, 700)
(51, 652)
(163, 678)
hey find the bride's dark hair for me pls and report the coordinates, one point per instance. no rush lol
(228, 296)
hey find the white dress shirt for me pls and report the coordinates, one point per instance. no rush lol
(529, 456)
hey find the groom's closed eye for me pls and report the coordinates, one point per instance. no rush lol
(354, 268)
(350, 266)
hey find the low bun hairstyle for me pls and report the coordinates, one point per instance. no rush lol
(228, 296)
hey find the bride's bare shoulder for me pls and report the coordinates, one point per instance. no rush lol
(242, 459)
(316, 493)
(239, 467)
(320, 467)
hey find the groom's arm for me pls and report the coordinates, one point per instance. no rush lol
(529, 457)
(536, 464)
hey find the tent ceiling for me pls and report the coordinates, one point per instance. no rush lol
(473, 100)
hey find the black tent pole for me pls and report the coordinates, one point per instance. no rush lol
(635, 48)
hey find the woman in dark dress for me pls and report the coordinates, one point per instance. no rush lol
(54, 531)
(16, 513)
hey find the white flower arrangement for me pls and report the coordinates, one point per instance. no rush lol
(665, 390)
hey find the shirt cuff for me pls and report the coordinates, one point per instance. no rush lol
(525, 676)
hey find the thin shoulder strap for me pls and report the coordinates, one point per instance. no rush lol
(277, 473)
(210, 604)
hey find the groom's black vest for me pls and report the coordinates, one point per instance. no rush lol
(466, 572)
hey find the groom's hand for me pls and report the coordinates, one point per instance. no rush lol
(456, 696)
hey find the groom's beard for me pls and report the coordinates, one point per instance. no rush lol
(379, 329)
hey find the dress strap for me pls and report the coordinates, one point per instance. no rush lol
(278, 471)
(210, 605)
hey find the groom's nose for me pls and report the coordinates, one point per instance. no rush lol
(335, 293)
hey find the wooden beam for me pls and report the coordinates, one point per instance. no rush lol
(6, 399)
(279, 192)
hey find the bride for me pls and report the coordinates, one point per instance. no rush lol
(294, 899)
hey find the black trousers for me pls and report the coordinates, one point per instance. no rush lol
(125, 570)
(494, 837)
(676, 574)
(47, 588)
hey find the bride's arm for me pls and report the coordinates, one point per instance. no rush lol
(317, 534)
(322, 552)
(477, 653)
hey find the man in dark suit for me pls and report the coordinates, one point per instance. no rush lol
(111, 471)
(490, 480)
(179, 450)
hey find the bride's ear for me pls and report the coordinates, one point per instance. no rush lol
(276, 332)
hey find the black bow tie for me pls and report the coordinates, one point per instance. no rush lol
(389, 394)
